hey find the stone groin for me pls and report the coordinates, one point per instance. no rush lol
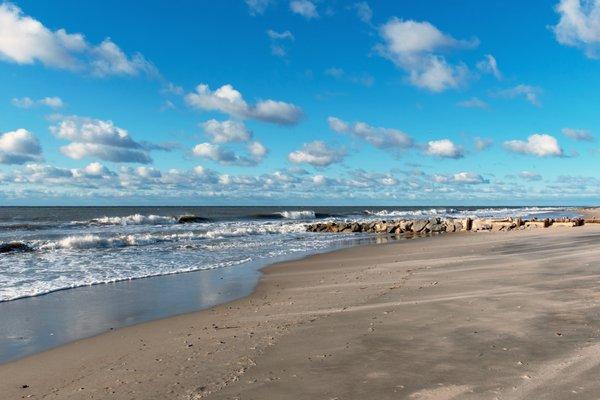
(440, 225)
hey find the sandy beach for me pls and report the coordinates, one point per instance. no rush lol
(458, 316)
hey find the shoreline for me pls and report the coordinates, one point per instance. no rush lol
(279, 308)
(214, 287)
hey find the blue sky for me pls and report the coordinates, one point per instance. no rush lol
(299, 102)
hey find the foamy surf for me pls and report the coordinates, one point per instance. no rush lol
(80, 247)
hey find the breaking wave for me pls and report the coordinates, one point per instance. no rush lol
(136, 219)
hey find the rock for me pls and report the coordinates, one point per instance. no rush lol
(419, 226)
(458, 226)
(406, 226)
(537, 224)
(481, 225)
(14, 247)
(381, 227)
(503, 226)
(436, 228)
(356, 227)
(190, 219)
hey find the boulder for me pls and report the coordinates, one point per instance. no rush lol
(381, 227)
(14, 247)
(503, 226)
(189, 219)
(406, 226)
(419, 226)
(436, 228)
(481, 225)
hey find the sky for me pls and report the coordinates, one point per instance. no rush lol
(299, 102)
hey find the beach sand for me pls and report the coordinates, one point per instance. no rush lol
(461, 316)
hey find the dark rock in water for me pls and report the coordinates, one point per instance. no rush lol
(14, 246)
(190, 219)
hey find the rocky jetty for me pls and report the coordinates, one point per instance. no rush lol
(440, 225)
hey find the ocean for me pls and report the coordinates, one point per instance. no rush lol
(71, 247)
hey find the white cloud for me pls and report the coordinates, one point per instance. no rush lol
(19, 147)
(52, 102)
(489, 65)
(280, 35)
(257, 150)
(228, 100)
(222, 132)
(444, 148)
(382, 138)
(461, 178)
(530, 93)
(364, 12)
(108, 59)
(483, 143)
(530, 176)
(317, 154)
(226, 131)
(257, 6)
(24, 102)
(93, 170)
(473, 102)
(27, 102)
(540, 145)
(412, 46)
(100, 139)
(225, 156)
(277, 47)
(305, 8)
(578, 134)
(25, 40)
(579, 25)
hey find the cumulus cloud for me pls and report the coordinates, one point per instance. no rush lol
(100, 139)
(19, 147)
(473, 102)
(578, 134)
(229, 101)
(222, 155)
(413, 46)
(444, 148)
(222, 132)
(461, 178)
(530, 93)
(579, 25)
(317, 154)
(305, 8)
(27, 102)
(540, 145)
(226, 131)
(382, 138)
(489, 65)
(530, 176)
(25, 40)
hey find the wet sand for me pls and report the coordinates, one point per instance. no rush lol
(460, 316)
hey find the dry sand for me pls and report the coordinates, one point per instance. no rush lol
(462, 316)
